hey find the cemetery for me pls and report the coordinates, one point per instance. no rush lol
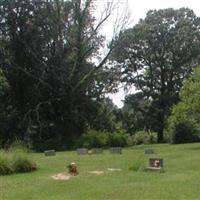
(97, 103)
(99, 176)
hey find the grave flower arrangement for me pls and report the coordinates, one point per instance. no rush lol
(72, 169)
(157, 163)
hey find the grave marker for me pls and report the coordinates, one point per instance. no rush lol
(149, 151)
(116, 150)
(155, 164)
(50, 153)
(82, 151)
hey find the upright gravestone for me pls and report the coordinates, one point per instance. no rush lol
(82, 151)
(155, 164)
(49, 153)
(116, 150)
(149, 151)
(97, 151)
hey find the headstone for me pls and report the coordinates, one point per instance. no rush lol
(49, 153)
(82, 151)
(97, 151)
(116, 150)
(149, 151)
(155, 164)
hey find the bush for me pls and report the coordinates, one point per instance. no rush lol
(181, 131)
(15, 161)
(94, 138)
(144, 137)
(183, 125)
(22, 164)
(5, 165)
(119, 139)
(97, 139)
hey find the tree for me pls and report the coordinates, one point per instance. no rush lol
(184, 123)
(104, 118)
(157, 55)
(49, 65)
(136, 113)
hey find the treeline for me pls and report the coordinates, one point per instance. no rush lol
(53, 84)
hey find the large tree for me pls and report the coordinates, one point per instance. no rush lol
(49, 65)
(156, 56)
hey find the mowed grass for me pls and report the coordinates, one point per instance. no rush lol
(181, 179)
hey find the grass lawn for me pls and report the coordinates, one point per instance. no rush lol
(181, 179)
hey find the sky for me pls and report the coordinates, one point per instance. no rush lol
(138, 10)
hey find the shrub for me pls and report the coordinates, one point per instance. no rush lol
(144, 137)
(22, 164)
(15, 161)
(181, 131)
(153, 137)
(94, 138)
(5, 165)
(183, 125)
(129, 140)
(118, 139)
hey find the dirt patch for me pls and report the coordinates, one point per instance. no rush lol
(97, 172)
(61, 176)
(113, 169)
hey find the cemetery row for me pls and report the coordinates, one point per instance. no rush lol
(155, 164)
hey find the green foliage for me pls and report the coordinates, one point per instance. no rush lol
(184, 123)
(47, 67)
(18, 147)
(119, 139)
(4, 85)
(22, 164)
(156, 56)
(135, 112)
(5, 164)
(104, 118)
(145, 137)
(94, 138)
(16, 160)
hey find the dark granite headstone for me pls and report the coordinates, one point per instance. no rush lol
(155, 164)
(149, 151)
(82, 151)
(49, 153)
(116, 150)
